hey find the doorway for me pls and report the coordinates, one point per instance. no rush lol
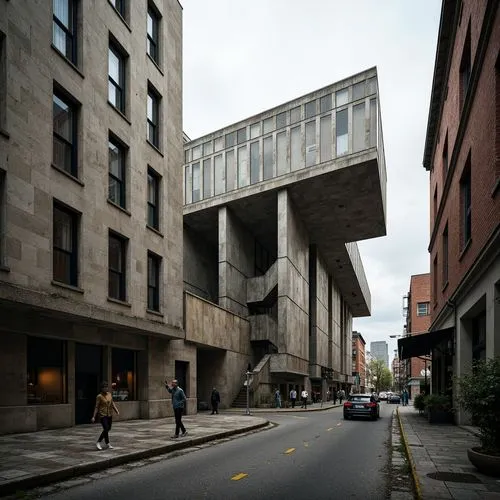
(88, 377)
(181, 374)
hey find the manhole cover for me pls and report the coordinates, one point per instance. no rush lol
(454, 477)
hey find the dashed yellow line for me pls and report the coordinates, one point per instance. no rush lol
(239, 476)
(306, 445)
(339, 424)
(330, 429)
(289, 451)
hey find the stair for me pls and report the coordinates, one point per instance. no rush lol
(263, 289)
(240, 401)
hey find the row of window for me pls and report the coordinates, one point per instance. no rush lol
(66, 244)
(297, 114)
(334, 134)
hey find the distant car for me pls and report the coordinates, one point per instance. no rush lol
(382, 396)
(394, 398)
(361, 405)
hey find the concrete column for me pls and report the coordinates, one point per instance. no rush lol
(493, 321)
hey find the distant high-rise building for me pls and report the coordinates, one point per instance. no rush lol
(380, 350)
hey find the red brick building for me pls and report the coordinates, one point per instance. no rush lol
(462, 155)
(359, 360)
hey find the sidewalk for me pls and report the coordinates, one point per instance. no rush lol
(442, 448)
(298, 409)
(37, 458)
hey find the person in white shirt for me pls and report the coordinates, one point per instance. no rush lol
(304, 395)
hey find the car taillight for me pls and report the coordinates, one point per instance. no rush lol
(370, 405)
(347, 404)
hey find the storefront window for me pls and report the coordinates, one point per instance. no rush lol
(46, 371)
(124, 379)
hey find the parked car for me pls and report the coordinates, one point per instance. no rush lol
(361, 405)
(394, 398)
(383, 396)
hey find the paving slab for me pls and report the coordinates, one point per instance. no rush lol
(39, 458)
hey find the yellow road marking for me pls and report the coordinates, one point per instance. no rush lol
(330, 429)
(306, 445)
(339, 424)
(295, 416)
(290, 450)
(239, 476)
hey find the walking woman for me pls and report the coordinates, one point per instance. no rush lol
(104, 407)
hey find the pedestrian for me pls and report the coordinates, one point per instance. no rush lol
(340, 396)
(334, 395)
(277, 398)
(104, 407)
(327, 396)
(215, 400)
(405, 397)
(178, 403)
(293, 397)
(303, 396)
(313, 397)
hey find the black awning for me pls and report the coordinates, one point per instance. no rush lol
(422, 344)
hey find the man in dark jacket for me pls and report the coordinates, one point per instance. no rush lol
(178, 403)
(215, 400)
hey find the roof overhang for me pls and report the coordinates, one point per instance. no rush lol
(422, 345)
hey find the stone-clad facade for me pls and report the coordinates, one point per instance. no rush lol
(61, 333)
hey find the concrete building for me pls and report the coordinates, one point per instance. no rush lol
(380, 350)
(273, 207)
(90, 210)
(461, 155)
(359, 361)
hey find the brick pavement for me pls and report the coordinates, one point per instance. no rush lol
(443, 448)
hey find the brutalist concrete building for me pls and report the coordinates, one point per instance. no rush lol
(273, 207)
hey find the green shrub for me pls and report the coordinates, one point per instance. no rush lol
(437, 402)
(418, 402)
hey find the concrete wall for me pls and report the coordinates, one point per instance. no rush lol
(293, 286)
(236, 262)
(336, 333)
(201, 273)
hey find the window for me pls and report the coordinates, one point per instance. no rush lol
(281, 153)
(325, 103)
(358, 127)
(281, 120)
(310, 109)
(117, 254)
(342, 97)
(220, 175)
(465, 68)
(241, 135)
(268, 125)
(422, 308)
(119, 6)
(116, 160)
(64, 28)
(254, 130)
(153, 199)
(196, 186)
(373, 122)
(153, 113)
(46, 366)
(230, 171)
(116, 77)
(310, 143)
(466, 198)
(325, 126)
(123, 374)
(197, 152)
(154, 263)
(65, 245)
(445, 255)
(153, 40)
(243, 174)
(295, 115)
(445, 157)
(435, 202)
(64, 134)
(268, 157)
(342, 133)
(230, 139)
(208, 148)
(434, 280)
(207, 178)
(255, 162)
(295, 149)
(358, 91)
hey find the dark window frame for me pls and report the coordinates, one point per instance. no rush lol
(154, 205)
(445, 250)
(73, 253)
(123, 150)
(427, 309)
(73, 145)
(120, 86)
(466, 202)
(153, 39)
(122, 241)
(153, 122)
(120, 8)
(153, 296)
(465, 71)
(72, 32)
(118, 384)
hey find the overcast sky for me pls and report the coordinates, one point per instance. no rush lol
(242, 57)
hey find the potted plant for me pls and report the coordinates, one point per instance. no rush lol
(479, 395)
(418, 403)
(439, 410)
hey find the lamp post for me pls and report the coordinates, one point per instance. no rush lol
(248, 373)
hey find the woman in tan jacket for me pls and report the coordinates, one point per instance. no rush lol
(104, 407)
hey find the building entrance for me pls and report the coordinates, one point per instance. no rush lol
(88, 377)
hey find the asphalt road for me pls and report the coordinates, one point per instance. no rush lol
(315, 455)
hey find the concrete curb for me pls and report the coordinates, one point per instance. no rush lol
(414, 474)
(256, 411)
(471, 431)
(79, 470)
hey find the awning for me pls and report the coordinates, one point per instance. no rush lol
(422, 344)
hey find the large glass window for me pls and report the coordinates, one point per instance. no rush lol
(197, 151)
(153, 39)
(295, 115)
(243, 177)
(124, 378)
(342, 97)
(268, 125)
(423, 309)
(281, 120)
(64, 134)
(196, 182)
(310, 109)
(230, 139)
(282, 166)
(445, 255)
(254, 162)
(373, 122)
(230, 171)
(325, 103)
(46, 365)
(295, 149)
(241, 135)
(208, 148)
(220, 175)
(116, 77)
(119, 6)
(268, 158)
(153, 199)
(116, 159)
(207, 178)
(65, 245)
(325, 126)
(64, 28)
(310, 144)
(255, 130)
(117, 262)
(218, 144)
(154, 267)
(342, 132)
(358, 127)
(466, 196)
(153, 115)
(358, 91)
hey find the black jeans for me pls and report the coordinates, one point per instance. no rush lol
(178, 421)
(106, 423)
(304, 403)
(215, 407)
(293, 402)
